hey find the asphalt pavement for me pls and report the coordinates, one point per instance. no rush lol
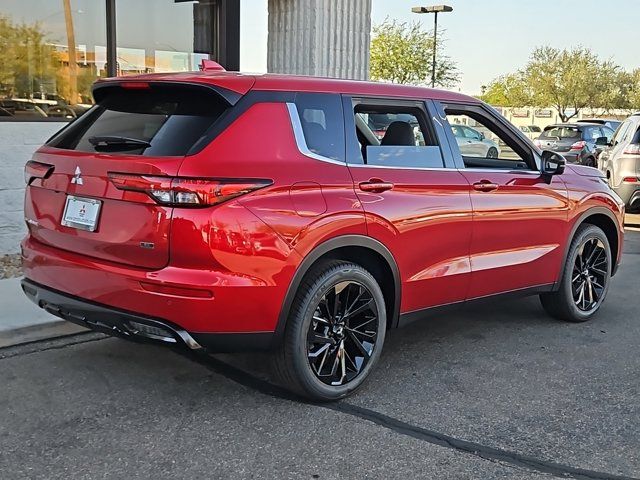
(499, 391)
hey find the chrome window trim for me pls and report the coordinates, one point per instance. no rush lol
(501, 170)
(301, 142)
(390, 167)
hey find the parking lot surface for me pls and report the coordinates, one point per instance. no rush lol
(492, 391)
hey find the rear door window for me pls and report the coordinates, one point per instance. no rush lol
(392, 133)
(154, 121)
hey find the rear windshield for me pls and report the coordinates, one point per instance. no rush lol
(561, 132)
(158, 121)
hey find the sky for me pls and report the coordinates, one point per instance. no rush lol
(487, 38)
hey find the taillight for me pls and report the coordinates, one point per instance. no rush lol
(578, 145)
(33, 170)
(632, 149)
(630, 180)
(187, 192)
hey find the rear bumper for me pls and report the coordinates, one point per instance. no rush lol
(133, 326)
(237, 304)
(571, 157)
(630, 194)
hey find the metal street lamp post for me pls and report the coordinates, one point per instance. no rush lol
(435, 9)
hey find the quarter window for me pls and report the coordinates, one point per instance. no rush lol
(322, 123)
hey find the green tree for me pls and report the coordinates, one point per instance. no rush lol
(402, 53)
(507, 91)
(26, 61)
(634, 93)
(568, 80)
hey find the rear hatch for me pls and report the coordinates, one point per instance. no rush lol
(81, 196)
(560, 138)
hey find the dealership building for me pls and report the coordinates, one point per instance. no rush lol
(55, 49)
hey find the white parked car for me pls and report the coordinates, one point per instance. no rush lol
(473, 143)
(531, 131)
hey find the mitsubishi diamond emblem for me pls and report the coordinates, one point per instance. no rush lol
(77, 177)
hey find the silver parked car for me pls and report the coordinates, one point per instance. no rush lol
(473, 143)
(620, 161)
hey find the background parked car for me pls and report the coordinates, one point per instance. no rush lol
(612, 123)
(621, 162)
(22, 108)
(577, 142)
(531, 131)
(60, 111)
(473, 143)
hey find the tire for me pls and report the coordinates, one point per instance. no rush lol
(585, 277)
(299, 363)
(492, 152)
(590, 162)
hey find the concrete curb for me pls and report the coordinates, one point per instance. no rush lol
(43, 331)
(21, 321)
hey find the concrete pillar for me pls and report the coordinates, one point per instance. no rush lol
(325, 38)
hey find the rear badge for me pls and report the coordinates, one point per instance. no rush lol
(77, 177)
(148, 245)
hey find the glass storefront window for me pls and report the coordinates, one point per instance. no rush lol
(162, 37)
(48, 57)
(51, 51)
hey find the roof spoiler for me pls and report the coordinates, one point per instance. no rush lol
(101, 88)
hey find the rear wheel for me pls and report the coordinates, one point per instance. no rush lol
(334, 333)
(585, 278)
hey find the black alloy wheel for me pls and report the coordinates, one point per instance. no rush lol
(335, 332)
(590, 275)
(342, 333)
(584, 279)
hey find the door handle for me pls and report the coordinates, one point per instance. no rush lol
(375, 185)
(485, 186)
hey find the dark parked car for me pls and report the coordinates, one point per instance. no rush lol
(60, 111)
(222, 212)
(579, 143)
(22, 108)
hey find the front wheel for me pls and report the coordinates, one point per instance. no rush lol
(585, 278)
(334, 333)
(492, 153)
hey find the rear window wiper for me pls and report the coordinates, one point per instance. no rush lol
(117, 142)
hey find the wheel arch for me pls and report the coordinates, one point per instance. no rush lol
(365, 251)
(606, 221)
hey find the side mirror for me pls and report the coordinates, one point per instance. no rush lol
(552, 163)
(481, 136)
(602, 142)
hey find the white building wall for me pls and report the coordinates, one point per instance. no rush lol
(18, 141)
(325, 38)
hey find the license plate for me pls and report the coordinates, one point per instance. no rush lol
(81, 213)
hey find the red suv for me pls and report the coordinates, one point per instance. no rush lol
(231, 212)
